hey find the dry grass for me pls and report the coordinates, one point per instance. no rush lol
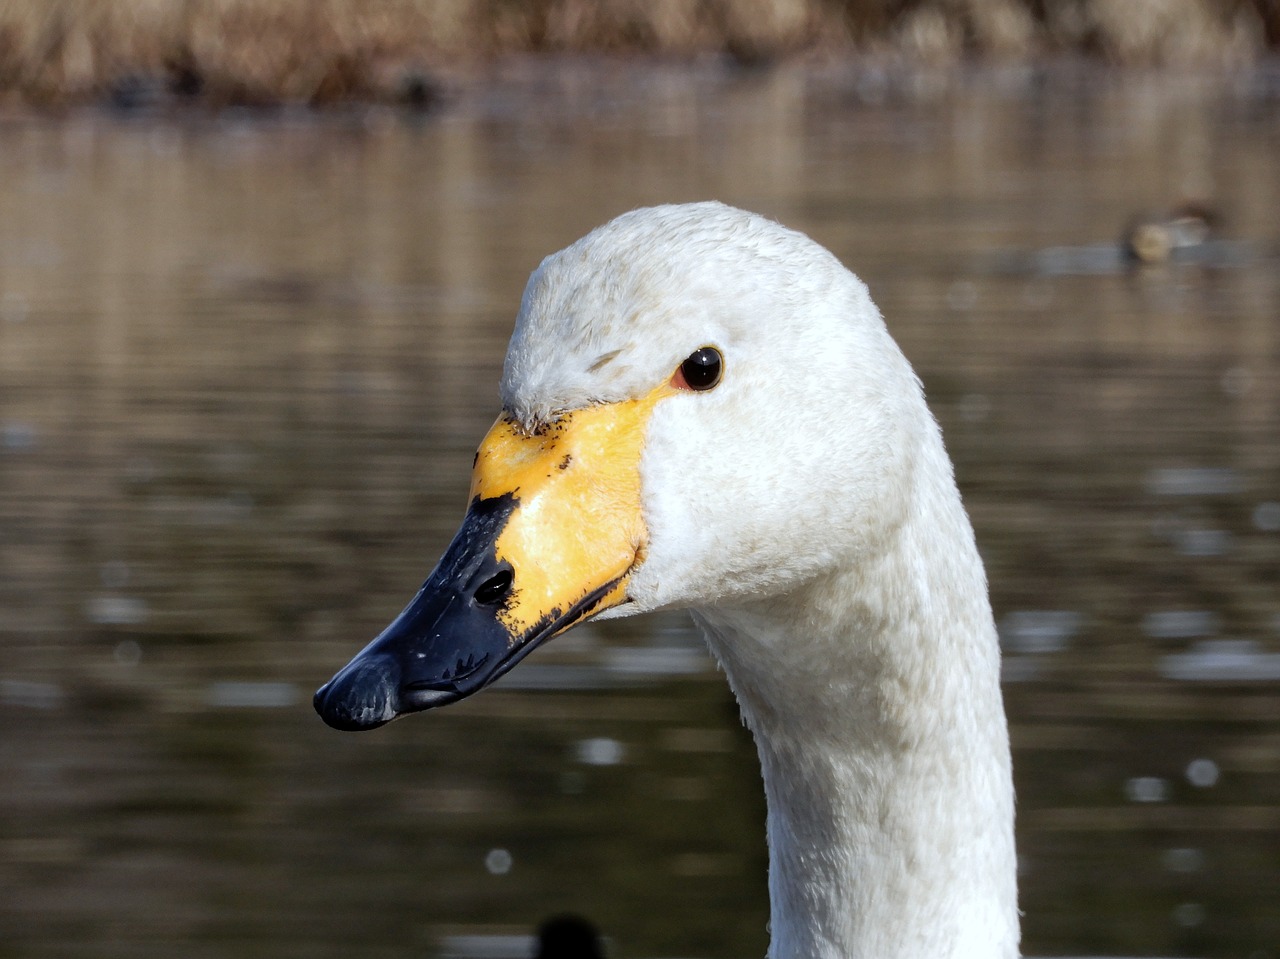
(321, 51)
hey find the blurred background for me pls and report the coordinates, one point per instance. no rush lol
(258, 265)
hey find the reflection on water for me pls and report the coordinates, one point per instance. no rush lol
(244, 363)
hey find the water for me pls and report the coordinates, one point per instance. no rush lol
(245, 361)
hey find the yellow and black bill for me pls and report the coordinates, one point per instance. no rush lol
(552, 534)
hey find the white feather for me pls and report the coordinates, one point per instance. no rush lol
(804, 509)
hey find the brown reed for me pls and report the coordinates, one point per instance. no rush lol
(327, 51)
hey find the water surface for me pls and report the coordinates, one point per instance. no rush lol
(244, 363)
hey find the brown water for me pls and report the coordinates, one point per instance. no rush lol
(244, 363)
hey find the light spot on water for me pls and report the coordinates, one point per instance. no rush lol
(498, 862)
(1266, 517)
(31, 695)
(600, 751)
(1180, 623)
(1202, 773)
(117, 610)
(1222, 660)
(1147, 789)
(17, 436)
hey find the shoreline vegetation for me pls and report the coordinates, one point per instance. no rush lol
(322, 52)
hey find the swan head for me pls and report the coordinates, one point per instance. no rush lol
(700, 408)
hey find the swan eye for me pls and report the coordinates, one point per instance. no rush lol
(701, 371)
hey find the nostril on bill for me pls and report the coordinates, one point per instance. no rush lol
(494, 589)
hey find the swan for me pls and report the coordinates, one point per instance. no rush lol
(703, 409)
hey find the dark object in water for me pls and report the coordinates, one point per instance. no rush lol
(419, 90)
(568, 937)
(135, 92)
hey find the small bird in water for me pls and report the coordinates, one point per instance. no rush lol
(1158, 238)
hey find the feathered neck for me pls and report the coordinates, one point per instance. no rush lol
(873, 695)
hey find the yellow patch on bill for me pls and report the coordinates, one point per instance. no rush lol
(577, 529)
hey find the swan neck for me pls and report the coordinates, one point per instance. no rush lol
(885, 756)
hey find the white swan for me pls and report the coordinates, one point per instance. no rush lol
(703, 409)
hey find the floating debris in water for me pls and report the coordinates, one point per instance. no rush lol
(31, 695)
(1222, 660)
(253, 695)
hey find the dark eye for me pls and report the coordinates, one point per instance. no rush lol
(700, 371)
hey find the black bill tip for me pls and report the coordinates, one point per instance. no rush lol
(365, 695)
